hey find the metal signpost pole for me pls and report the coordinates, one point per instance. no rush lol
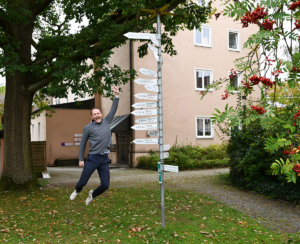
(160, 120)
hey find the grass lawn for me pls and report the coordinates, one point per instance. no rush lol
(125, 215)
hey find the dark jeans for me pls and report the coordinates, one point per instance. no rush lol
(95, 161)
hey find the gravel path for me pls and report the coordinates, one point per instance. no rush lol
(277, 215)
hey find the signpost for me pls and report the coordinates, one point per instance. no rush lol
(146, 81)
(153, 49)
(146, 141)
(166, 154)
(149, 96)
(145, 112)
(151, 88)
(134, 35)
(166, 147)
(145, 105)
(153, 133)
(171, 168)
(147, 120)
(148, 72)
(145, 127)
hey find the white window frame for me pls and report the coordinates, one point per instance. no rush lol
(56, 101)
(211, 127)
(210, 82)
(75, 97)
(32, 132)
(238, 40)
(210, 35)
(39, 131)
(66, 100)
(239, 80)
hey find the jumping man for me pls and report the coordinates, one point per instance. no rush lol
(99, 135)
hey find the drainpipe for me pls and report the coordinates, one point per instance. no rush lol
(131, 120)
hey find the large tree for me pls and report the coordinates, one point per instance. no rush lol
(40, 56)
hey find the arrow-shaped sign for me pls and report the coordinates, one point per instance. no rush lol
(145, 127)
(151, 88)
(148, 96)
(166, 147)
(145, 105)
(154, 40)
(146, 81)
(148, 72)
(146, 120)
(157, 58)
(171, 168)
(135, 35)
(166, 154)
(153, 49)
(153, 133)
(146, 141)
(145, 112)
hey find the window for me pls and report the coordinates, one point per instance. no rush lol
(235, 81)
(203, 79)
(56, 101)
(66, 100)
(204, 127)
(203, 36)
(234, 40)
(32, 132)
(39, 131)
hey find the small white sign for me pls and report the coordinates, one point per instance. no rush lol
(166, 154)
(157, 58)
(153, 49)
(146, 141)
(154, 40)
(145, 127)
(146, 120)
(151, 88)
(153, 133)
(135, 35)
(145, 112)
(145, 105)
(77, 135)
(77, 143)
(141, 81)
(171, 168)
(67, 144)
(166, 147)
(148, 72)
(148, 96)
(77, 139)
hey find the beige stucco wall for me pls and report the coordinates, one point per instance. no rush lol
(61, 128)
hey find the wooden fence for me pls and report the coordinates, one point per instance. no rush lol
(38, 149)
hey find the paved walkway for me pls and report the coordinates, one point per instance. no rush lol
(277, 215)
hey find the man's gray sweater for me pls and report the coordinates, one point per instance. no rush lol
(99, 135)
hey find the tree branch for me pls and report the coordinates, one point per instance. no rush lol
(39, 7)
(43, 60)
(34, 44)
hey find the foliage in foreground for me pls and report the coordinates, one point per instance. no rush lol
(189, 157)
(125, 215)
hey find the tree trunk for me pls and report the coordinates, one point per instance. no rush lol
(18, 167)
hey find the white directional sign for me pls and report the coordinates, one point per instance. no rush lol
(154, 40)
(148, 96)
(171, 168)
(145, 112)
(157, 58)
(153, 49)
(134, 35)
(153, 133)
(146, 141)
(166, 147)
(148, 72)
(145, 127)
(146, 81)
(151, 88)
(146, 120)
(145, 105)
(166, 154)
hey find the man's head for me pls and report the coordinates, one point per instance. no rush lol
(96, 115)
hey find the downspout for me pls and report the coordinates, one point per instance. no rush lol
(131, 120)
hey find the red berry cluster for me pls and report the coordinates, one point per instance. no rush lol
(293, 6)
(225, 96)
(295, 69)
(269, 61)
(297, 25)
(296, 115)
(257, 14)
(267, 24)
(259, 110)
(246, 85)
(291, 150)
(276, 72)
(296, 168)
(232, 74)
(266, 81)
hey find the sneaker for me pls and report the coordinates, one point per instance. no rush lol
(90, 198)
(74, 195)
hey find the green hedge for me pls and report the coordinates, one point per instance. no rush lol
(189, 157)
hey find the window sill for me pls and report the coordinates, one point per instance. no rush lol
(210, 90)
(234, 50)
(204, 137)
(199, 45)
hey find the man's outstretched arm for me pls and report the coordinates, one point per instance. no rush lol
(114, 106)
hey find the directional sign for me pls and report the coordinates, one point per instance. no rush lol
(148, 72)
(166, 147)
(157, 58)
(166, 154)
(145, 105)
(134, 35)
(148, 96)
(159, 172)
(145, 127)
(153, 49)
(146, 141)
(145, 112)
(146, 81)
(153, 133)
(151, 88)
(146, 120)
(154, 40)
(171, 168)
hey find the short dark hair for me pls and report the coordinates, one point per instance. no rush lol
(93, 109)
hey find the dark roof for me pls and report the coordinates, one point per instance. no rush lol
(121, 123)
